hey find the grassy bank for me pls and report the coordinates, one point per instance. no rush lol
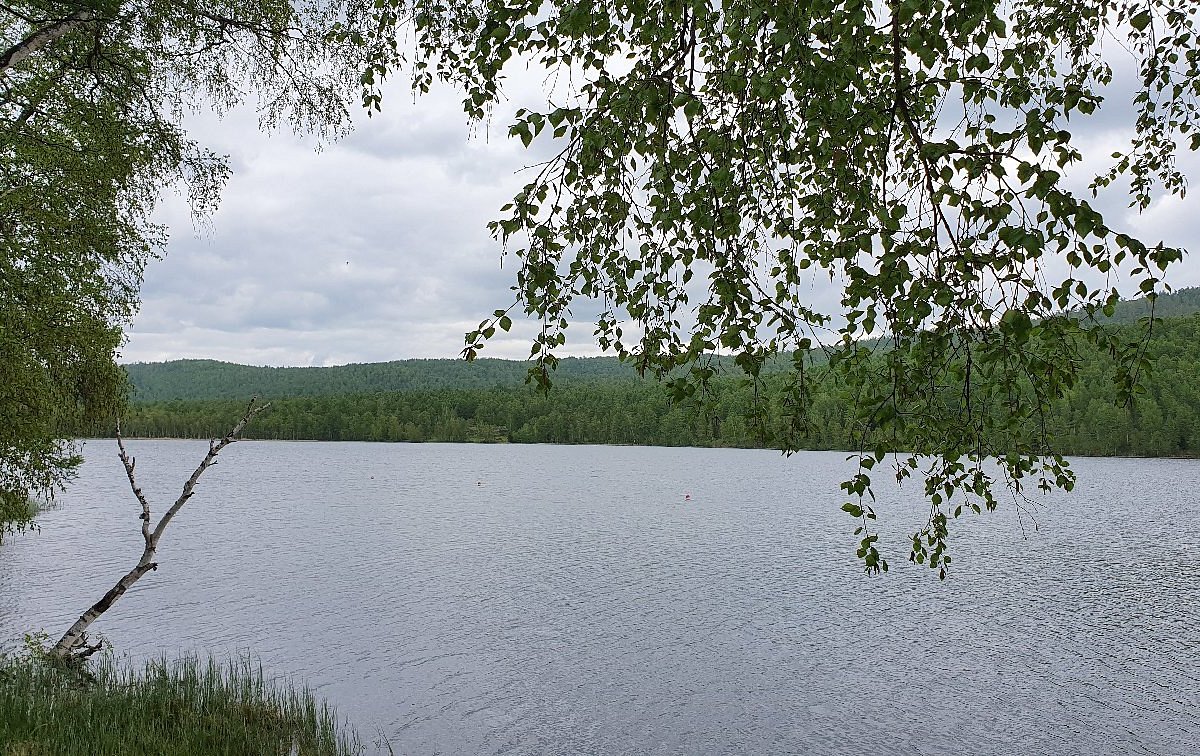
(183, 707)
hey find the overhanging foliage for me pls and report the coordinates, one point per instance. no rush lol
(712, 161)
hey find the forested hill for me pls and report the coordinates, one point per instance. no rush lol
(1178, 304)
(209, 379)
(1165, 421)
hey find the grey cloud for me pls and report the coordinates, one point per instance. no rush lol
(376, 248)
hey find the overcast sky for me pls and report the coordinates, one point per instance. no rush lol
(376, 248)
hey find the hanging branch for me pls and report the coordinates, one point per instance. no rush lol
(74, 645)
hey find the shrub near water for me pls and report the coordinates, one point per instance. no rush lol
(182, 707)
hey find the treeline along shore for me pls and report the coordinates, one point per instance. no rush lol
(599, 401)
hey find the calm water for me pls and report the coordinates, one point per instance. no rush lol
(567, 600)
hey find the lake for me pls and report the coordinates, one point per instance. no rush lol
(466, 599)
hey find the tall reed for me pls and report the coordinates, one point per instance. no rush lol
(188, 706)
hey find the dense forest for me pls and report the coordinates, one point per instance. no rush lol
(210, 379)
(1177, 304)
(598, 400)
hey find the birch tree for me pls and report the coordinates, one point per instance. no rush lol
(711, 163)
(74, 645)
(93, 95)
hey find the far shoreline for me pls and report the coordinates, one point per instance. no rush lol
(1181, 458)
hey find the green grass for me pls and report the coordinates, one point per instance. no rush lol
(16, 513)
(181, 707)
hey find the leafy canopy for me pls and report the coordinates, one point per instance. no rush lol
(92, 100)
(712, 161)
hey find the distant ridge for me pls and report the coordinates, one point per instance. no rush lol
(1179, 303)
(211, 379)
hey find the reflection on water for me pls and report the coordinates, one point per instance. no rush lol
(539, 599)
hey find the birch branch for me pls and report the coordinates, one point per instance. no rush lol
(129, 463)
(73, 645)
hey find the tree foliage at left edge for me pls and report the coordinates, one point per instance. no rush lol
(92, 100)
(713, 161)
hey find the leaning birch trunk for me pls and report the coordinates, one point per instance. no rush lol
(74, 645)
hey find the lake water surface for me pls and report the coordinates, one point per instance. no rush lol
(466, 599)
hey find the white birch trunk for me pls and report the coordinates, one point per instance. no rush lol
(44, 36)
(73, 644)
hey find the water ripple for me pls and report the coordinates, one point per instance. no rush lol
(568, 600)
